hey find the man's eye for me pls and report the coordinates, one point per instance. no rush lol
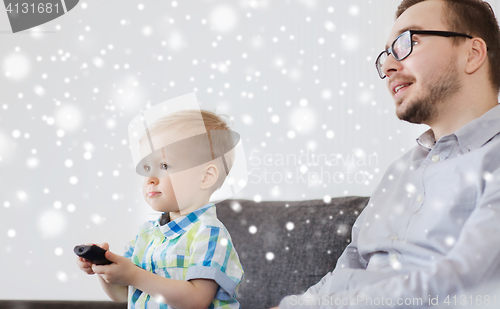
(163, 166)
(147, 168)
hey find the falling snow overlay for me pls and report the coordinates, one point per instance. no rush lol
(295, 77)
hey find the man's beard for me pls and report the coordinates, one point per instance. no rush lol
(426, 108)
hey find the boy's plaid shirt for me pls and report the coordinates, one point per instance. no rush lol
(195, 246)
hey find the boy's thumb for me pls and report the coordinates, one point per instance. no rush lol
(111, 256)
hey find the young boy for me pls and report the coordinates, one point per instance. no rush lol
(186, 258)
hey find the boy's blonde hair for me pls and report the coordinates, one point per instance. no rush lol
(188, 122)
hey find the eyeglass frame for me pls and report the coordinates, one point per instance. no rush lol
(390, 50)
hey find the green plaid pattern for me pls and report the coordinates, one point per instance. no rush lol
(195, 246)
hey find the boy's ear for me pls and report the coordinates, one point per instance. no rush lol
(210, 176)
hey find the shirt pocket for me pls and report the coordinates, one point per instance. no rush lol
(450, 195)
(171, 261)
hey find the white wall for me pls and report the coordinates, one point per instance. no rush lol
(66, 181)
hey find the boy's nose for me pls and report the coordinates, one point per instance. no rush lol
(152, 180)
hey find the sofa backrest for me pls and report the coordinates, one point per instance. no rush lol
(285, 247)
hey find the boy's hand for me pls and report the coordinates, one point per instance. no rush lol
(85, 265)
(121, 272)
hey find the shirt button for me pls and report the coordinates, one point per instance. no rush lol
(393, 258)
(435, 158)
(420, 198)
(394, 237)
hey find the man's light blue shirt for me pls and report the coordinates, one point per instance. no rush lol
(431, 228)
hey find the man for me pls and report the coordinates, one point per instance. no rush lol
(431, 230)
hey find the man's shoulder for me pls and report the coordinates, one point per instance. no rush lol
(487, 158)
(491, 147)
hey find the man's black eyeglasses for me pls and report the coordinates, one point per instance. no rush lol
(403, 46)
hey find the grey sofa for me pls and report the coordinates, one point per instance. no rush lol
(284, 248)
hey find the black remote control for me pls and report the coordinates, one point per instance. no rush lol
(93, 254)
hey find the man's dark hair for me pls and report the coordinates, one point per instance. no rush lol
(475, 18)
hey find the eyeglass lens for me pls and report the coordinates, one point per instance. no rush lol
(402, 46)
(399, 49)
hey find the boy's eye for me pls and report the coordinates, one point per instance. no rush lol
(163, 166)
(147, 168)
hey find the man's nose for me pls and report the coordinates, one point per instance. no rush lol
(391, 66)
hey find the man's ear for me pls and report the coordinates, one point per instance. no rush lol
(478, 53)
(209, 177)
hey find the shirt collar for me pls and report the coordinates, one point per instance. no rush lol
(180, 225)
(479, 131)
(427, 139)
(471, 136)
